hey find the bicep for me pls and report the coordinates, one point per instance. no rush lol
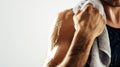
(61, 38)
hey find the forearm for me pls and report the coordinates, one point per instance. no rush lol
(79, 50)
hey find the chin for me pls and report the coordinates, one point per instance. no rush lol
(114, 3)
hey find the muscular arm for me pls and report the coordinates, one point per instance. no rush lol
(73, 45)
(89, 24)
(79, 51)
(61, 38)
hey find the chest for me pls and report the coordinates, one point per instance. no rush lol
(114, 36)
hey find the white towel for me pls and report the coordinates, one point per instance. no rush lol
(100, 55)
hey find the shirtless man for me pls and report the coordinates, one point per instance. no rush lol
(74, 34)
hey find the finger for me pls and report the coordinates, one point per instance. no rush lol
(88, 8)
(96, 11)
(85, 13)
(103, 19)
(77, 12)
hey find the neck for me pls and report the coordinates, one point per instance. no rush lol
(113, 16)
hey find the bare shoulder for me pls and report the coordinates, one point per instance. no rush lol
(62, 36)
(65, 14)
(64, 27)
(65, 20)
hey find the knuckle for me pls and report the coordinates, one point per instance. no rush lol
(96, 11)
(90, 5)
(88, 8)
(78, 12)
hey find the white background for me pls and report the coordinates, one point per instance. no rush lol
(24, 30)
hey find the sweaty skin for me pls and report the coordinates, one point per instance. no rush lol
(84, 36)
(61, 38)
(75, 37)
(71, 40)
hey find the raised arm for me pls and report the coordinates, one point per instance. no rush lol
(72, 40)
(89, 24)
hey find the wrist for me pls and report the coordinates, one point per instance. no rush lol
(85, 35)
(81, 42)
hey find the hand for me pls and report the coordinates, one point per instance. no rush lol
(89, 21)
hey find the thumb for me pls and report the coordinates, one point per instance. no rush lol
(78, 11)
